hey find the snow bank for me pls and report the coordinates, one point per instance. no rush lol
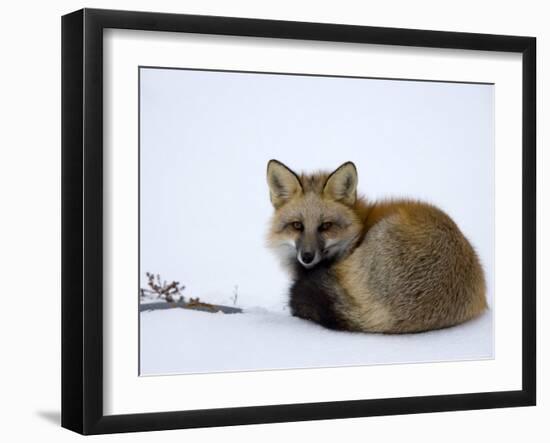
(177, 341)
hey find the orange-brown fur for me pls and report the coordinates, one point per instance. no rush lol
(401, 266)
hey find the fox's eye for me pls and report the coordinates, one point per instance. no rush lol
(298, 226)
(325, 226)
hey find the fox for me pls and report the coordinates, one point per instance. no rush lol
(391, 266)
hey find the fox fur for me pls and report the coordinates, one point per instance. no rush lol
(393, 266)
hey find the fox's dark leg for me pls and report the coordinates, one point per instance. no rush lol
(312, 297)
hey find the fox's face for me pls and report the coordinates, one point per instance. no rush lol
(314, 217)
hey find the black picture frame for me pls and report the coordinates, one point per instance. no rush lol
(82, 218)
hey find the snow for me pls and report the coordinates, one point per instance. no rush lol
(177, 341)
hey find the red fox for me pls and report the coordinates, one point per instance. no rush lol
(393, 266)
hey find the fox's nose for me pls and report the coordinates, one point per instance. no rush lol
(307, 257)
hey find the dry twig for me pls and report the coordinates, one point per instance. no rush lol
(162, 289)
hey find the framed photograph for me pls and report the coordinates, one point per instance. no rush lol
(269, 221)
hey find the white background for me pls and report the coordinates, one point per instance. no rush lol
(30, 187)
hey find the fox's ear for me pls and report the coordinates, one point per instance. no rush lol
(341, 185)
(283, 183)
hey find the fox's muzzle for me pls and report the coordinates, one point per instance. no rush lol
(308, 250)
